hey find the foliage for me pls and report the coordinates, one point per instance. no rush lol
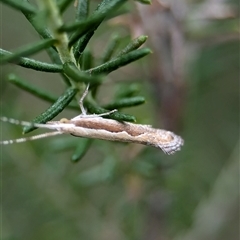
(122, 191)
(68, 42)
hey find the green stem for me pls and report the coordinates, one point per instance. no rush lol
(54, 23)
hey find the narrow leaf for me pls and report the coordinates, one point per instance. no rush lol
(144, 1)
(86, 60)
(19, 5)
(81, 149)
(120, 61)
(33, 64)
(106, 7)
(28, 50)
(76, 75)
(133, 45)
(81, 44)
(84, 27)
(111, 48)
(30, 88)
(127, 90)
(94, 109)
(82, 10)
(38, 24)
(55, 109)
(123, 10)
(63, 5)
(125, 102)
(36, 91)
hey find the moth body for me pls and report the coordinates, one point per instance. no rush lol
(93, 126)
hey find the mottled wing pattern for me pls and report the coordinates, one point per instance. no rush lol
(169, 142)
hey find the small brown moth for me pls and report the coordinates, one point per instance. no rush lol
(94, 126)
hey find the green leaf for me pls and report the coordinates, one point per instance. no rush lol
(105, 8)
(36, 91)
(123, 10)
(86, 60)
(125, 102)
(19, 5)
(30, 88)
(111, 48)
(62, 5)
(94, 109)
(108, 5)
(120, 61)
(33, 64)
(82, 148)
(133, 45)
(38, 22)
(83, 27)
(127, 90)
(55, 109)
(144, 1)
(76, 75)
(82, 10)
(28, 50)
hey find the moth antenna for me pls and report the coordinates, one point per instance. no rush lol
(25, 123)
(35, 137)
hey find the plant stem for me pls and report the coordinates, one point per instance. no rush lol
(54, 23)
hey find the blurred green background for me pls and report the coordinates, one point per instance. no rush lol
(126, 191)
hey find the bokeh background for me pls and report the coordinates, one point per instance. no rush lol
(126, 191)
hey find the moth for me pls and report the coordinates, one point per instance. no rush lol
(95, 126)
